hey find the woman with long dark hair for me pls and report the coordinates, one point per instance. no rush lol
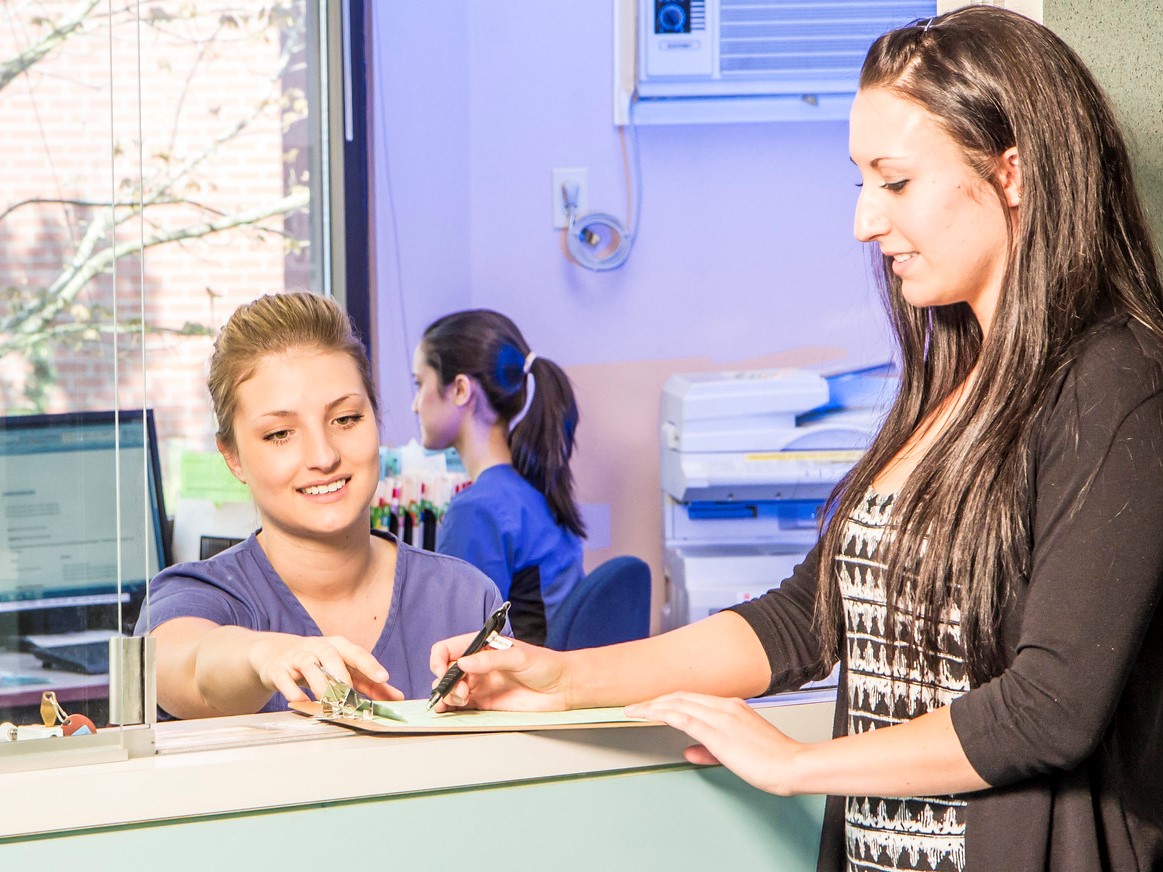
(990, 576)
(511, 416)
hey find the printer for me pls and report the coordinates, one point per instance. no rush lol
(748, 460)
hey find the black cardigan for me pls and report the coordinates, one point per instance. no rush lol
(1070, 735)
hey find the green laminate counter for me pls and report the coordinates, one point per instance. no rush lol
(261, 790)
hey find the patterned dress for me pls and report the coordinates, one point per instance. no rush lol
(885, 833)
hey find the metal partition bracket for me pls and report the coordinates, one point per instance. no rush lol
(132, 680)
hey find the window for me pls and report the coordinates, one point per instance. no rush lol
(216, 169)
(159, 171)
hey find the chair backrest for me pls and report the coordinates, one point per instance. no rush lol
(611, 604)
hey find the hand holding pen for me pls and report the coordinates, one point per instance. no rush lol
(490, 635)
(523, 677)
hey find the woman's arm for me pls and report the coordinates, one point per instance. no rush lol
(1094, 588)
(206, 670)
(1092, 594)
(921, 757)
(768, 644)
(717, 655)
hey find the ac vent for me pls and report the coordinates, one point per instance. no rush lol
(728, 48)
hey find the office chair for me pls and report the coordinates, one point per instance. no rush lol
(611, 604)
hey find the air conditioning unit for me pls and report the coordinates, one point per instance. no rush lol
(806, 51)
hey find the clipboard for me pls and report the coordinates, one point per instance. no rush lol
(411, 717)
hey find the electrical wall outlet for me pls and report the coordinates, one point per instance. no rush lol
(569, 176)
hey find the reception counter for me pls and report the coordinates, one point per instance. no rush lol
(284, 789)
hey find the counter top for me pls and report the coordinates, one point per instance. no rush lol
(233, 765)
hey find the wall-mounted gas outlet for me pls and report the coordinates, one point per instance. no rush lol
(561, 179)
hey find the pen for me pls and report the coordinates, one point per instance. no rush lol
(493, 626)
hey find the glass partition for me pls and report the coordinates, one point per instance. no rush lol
(162, 163)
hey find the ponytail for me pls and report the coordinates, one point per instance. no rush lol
(542, 441)
(531, 394)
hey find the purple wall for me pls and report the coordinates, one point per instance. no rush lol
(421, 223)
(744, 249)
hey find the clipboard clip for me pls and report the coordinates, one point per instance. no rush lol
(341, 700)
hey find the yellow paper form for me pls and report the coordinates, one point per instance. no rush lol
(412, 716)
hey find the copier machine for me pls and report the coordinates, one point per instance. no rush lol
(748, 460)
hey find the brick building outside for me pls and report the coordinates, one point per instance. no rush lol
(220, 137)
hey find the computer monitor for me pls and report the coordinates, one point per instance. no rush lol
(59, 509)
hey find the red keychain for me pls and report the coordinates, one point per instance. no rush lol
(71, 725)
(78, 725)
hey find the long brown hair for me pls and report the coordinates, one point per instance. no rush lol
(1080, 250)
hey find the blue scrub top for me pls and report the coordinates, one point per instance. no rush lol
(502, 525)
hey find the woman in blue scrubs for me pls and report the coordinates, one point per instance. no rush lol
(511, 416)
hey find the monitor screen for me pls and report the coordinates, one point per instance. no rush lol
(60, 514)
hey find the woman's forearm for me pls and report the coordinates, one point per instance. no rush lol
(203, 669)
(918, 758)
(225, 674)
(719, 655)
(921, 757)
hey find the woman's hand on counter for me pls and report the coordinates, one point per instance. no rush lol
(919, 757)
(729, 732)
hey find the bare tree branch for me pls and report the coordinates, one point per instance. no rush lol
(75, 20)
(64, 292)
(60, 201)
(88, 331)
(36, 321)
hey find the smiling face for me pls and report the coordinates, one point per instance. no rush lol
(942, 224)
(306, 443)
